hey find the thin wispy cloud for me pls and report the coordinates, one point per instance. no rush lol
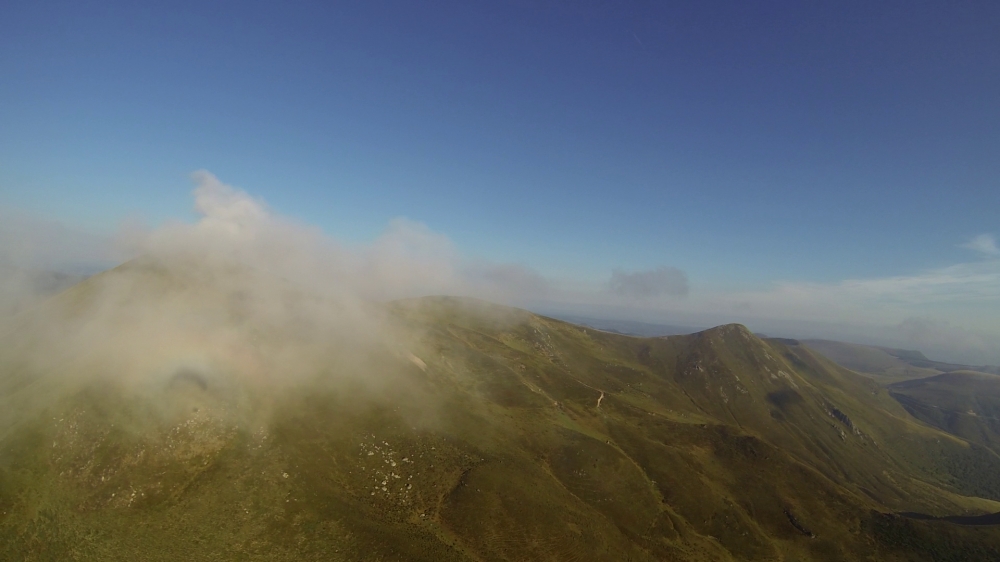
(952, 312)
(985, 244)
(960, 282)
(966, 292)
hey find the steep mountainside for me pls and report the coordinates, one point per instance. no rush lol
(465, 431)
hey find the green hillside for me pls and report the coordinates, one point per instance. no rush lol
(964, 403)
(465, 431)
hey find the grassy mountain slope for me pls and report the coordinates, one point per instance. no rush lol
(884, 365)
(964, 403)
(483, 433)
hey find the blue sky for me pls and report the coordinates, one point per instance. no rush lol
(752, 146)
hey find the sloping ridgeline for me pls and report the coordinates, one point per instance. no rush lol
(964, 403)
(500, 435)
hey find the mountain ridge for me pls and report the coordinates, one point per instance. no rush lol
(456, 429)
(888, 365)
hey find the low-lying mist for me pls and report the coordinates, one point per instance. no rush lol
(235, 308)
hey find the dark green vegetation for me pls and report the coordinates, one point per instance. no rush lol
(494, 434)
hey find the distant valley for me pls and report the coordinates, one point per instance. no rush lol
(889, 365)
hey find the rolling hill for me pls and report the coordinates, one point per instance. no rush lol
(157, 413)
(888, 365)
(963, 403)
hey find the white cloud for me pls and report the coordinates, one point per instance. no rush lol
(408, 259)
(251, 298)
(985, 244)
